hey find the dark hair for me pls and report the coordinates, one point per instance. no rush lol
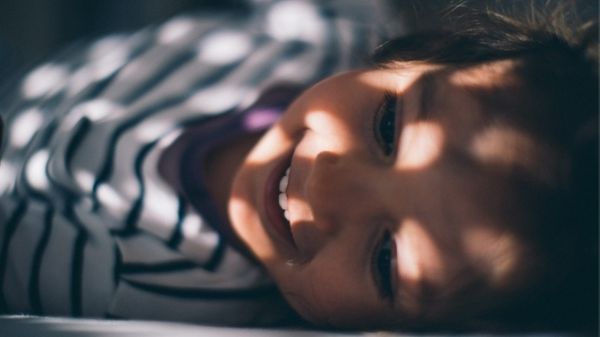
(557, 61)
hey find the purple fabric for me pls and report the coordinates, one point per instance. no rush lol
(210, 134)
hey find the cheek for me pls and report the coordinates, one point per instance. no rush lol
(418, 254)
(318, 289)
(331, 130)
(330, 291)
(421, 144)
(302, 288)
(265, 152)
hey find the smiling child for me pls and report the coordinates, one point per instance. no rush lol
(449, 184)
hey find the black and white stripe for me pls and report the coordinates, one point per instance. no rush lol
(87, 226)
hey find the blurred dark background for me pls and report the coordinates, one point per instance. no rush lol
(32, 30)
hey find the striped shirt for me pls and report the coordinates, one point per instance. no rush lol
(87, 225)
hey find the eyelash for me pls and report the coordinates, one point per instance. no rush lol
(382, 264)
(383, 259)
(384, 125)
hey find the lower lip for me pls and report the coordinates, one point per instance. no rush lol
(275, 220)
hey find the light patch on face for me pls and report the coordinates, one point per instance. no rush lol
(415, 248)
(265, 251)
(409, 267)
(303, 213)
(487, 75)
(317, 119)
(421, 144)
(506, 147)
(326, 125)
(263, 153)
(498, 252)
(402, 77)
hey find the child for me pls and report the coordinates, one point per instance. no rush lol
(453, 185)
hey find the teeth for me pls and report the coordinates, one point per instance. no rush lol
(283, 200)
(284, 181)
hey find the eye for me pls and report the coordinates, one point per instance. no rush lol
(384, 126)
(382, 266)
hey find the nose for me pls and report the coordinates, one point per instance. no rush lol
(337, 190)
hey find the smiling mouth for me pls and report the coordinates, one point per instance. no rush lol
(276, 202)
(283, 200)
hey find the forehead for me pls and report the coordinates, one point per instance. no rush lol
(488, 115)
(487, 150)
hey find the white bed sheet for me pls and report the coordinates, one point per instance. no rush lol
(31, 326)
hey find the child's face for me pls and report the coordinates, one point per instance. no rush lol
(399, 210)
